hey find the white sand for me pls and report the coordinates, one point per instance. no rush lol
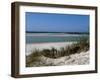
(74, 59)
(31, 47)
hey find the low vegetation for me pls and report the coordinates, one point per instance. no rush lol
(82, 45)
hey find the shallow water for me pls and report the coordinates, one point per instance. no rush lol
(53, 37)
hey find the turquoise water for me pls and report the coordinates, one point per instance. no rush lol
(37, 38)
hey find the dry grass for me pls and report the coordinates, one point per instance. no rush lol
(82, 45)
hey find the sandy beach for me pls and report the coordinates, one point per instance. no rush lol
(31, 47)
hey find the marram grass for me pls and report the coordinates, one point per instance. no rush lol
(81, 46)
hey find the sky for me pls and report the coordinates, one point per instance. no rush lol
(46, 22)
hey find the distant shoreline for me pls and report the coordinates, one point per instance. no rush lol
(60, 32)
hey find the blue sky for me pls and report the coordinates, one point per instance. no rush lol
(56, 22)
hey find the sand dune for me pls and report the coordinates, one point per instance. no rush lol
(74, 59)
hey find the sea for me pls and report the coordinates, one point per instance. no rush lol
(53, 37)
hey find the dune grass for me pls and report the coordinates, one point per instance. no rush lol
(82, 45)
